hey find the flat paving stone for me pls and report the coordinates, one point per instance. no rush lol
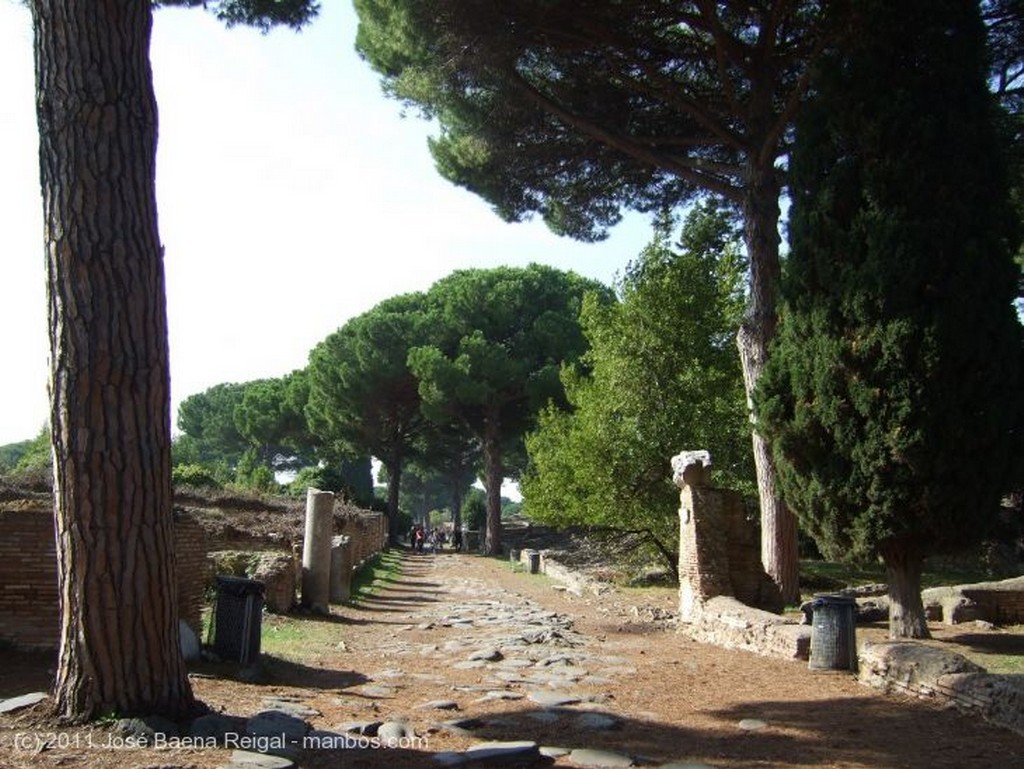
(597, 721)
(274, 723)
(439, 705)
(394, 731)
(500, 695)
(552, 699)
(23, 701)
(487, 655)
(501, 753)
(290, 707)
(551, 751)
(244, 759)
(599, 759)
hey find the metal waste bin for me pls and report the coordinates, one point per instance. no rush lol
(238, 619)
(833, 633)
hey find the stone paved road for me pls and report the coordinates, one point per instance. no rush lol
(464, 652)
(462, 661)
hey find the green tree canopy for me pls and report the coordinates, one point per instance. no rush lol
(208, 419)
(576, 110)
(271, 418)
(893, 397)
(660, 376)
(363, 397)
(506, 332)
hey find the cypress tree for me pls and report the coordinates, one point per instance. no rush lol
(893, 395)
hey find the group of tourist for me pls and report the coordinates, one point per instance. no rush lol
(433, 540)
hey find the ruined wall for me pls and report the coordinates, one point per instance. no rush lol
(28, 577)
(192, 569)
(719, 547)
(29, 613)
(944, 677)
(368, 533)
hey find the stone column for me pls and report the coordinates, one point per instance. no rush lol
(341, 569)
(316, 550)
(703, 547)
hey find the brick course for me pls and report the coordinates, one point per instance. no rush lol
(29, 614)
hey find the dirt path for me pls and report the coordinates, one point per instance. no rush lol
(462, 650)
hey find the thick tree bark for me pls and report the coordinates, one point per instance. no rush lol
(778, 524)
(494, 472)
(109, 387)
(456, 492)
(903, 565)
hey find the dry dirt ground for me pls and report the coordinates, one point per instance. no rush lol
(673, 700)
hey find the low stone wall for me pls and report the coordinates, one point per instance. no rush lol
(942, 676)
(29, 611)
(724, 621)
(1001, 603)
(574, 581)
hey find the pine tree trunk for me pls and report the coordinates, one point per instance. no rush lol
(110, 407)
(394, 490)
(779, 554)
(456, 492)
(903, 565)
(494, 475)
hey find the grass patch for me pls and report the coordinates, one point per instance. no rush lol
(298, 638)
(377, 571)
(1001, 664)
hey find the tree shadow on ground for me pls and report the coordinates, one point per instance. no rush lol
(854, 731)
(24, 671)
(280, 671)
(991, 643)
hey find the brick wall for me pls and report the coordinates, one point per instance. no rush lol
(191, 567)
(368, 532)
(720, 551)
(28, 574)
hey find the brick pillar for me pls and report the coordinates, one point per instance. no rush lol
(703, 545)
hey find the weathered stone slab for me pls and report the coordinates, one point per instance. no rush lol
(395, 731)
(23, 701)
(244, 759)
(274, 723)
(439, 705)
(599, 759)
(502, 753)
(552, 699)
(487, 654)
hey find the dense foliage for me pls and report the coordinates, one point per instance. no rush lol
(661, 376)
(363, 397)
(893, 396)
(504, 334)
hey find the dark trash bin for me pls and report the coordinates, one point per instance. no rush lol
(238, 619)
(833, 633)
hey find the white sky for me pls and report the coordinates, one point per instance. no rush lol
(292, 196)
